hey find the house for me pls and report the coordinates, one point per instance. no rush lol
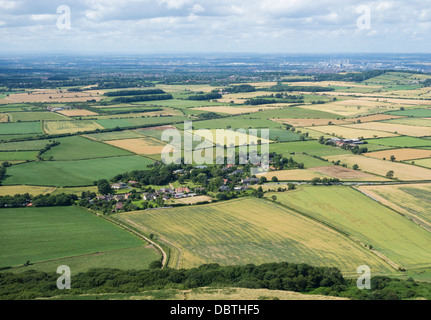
(165, 197)
(117, 186)
(201, 167)
(179, 195)
(224, 188)
(119, 206)
(237, 171)
(149, 196)
(182, 190)
(118, 197)
(165, 191)
(238, 188)
(178, 171)
(250, 180)
(127, 196)
(132, 182)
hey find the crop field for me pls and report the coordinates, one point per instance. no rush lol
(310, 122)
(32, 190)
(405, 142)
(20, 128)
(413, 200)
(140, 146)
(346, 174)
(115, 135)
(295, 113)
(381, 167)
(77, 113)
(235, 110)
(134, 122)
(72, 173)
(350, 132)
(294, 175)
(238, 122)
(251, 231)
(399, 239)
(421, 122)
(375, 117)
(59, 127)
(40, 234)
(79, 148)
(352, 108)
(400, 154)
(307, 147)
(34, 116)
(414, 131)
(23, 145)
(52, 96)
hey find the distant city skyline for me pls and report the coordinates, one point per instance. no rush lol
(190, 26)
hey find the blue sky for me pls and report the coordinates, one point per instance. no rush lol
(187, 26)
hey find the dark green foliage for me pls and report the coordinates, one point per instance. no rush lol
(206, 96)
(149, 97)
(133, 92)
(241, 88)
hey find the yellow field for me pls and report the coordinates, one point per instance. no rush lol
(332, 83)
(77, 113)
(44, 95)
(349, 132)
(353, 107)
(381, 167)
(405, 199)
(294, 175)
(32, 190)
(140, 146)
(375, 117)
(347, 174)
(400, 154)
(237, 110)
(192, 200)
(4, 117)
(309, 122)
(230, 134)
(57, 127)
(414, 131)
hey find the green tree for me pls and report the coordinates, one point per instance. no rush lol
(390, 174)
(104, 187)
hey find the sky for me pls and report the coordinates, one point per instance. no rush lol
(200, 26)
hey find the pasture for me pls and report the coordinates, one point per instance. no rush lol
(402, 129)
(349, 132)
(35, 116)
(250, 231)
(417, 112)
(79, 148)
(32, 190)
(40, 234)
(20, 128)
(397, 238)
(402, 142)
(59, 127)
(72, 173)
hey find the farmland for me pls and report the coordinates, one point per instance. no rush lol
(41, 234)
(72, 173)
(401, 154)
(399, 239)
(251, 231)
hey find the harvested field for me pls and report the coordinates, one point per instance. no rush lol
(402, 171)
(400, 154)
(22, 189)
(350, 132)
(347, 174)
(237, 110)
(4, 117)
(42, 95)
(414, 131)
(193, 200)
(77, 113)
(146, 145)
(309, 122)
(294, 175)
(375, 117)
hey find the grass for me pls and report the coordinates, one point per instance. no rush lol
(20, 128)
(398, 238)
(25, 145)
(115, 135)
(419, 112)
(40, 234)
(78, 148)
(35, 116)
(250, 231)
(21, 189)
(72, 173)
(384, 127)
(122, 123)
(308, 147)
(17, 155)
(350, 133)
(124, 259)
(59, 127)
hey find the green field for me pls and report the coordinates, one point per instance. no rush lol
(77, 148)
(412, 122)
(17, 155)
(35, 116)
(419, 112)
(295, 112)
(72, 173)
(24, 145)
(20, 128)
(115, 135)
(308, 147)
(398, 238)
(251, 231)
(134, 122)
(40, 234)
(403, 141)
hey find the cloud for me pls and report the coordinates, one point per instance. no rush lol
(216, 25)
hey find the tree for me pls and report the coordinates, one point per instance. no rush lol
(390, 174)
(274, 198)
(393, 158)
(104, 187)
(274, 179)
(262, 180)
(355, 167)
